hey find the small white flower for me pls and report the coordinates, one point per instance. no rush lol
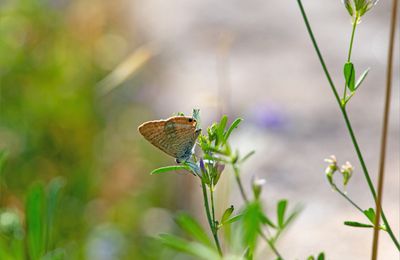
(331, 168)
(259, 182)
(331, 159)
(347, 171)
(257, 186)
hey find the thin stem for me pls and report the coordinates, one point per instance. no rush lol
(318, 52)
(271, 245)
(278, 233)
(210, 222)
(212, 204)
(347, 198)
(246, 200)
(384, 131)
(352, 37)
(239, 182)
(358, 151)
(347, 121)
(207, 208)
(350, 49)
(367, 177)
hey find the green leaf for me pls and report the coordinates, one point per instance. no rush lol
(349, 7)
(293, 215)
(357, 224)
(361, 78)
(53, 195)
(221, 129)
(281, 209)
(191, 248)
(193, 228)
(228, 212)
(267, 221)
(170, 168)
(247, 156)
(234, 125)
(252, 224)
(370, 213)
(232, 219)
(349, 75)
(35, 221)
(321, 256)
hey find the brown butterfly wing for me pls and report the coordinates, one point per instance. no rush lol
(175, 136)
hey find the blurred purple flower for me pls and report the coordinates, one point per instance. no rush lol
(202, 167)
(220, 167)
(269, 117)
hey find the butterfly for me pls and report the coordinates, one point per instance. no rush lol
(176, 136)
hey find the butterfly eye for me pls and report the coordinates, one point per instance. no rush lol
(190, 120)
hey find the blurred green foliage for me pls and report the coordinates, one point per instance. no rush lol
(59, 192)
(48, 116)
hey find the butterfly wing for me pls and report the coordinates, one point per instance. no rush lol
(175, 136)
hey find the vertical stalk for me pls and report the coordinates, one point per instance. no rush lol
(271, 245)
(239, 182)
(212, 204)
(210, 221)
(385, 124)
(352, 37)
(347, 121)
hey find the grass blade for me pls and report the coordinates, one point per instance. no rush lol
(54, 189)
(34, 219)
(281, 209)
(194, 229)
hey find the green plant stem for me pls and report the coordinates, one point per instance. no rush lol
(347, 121)
(212, 205)
(347, 198)
(246, 200)
(368, 178)
(239, 182)
(210, 222)
(385, 123)
(352, 38)
(271, 245)
(350, 50)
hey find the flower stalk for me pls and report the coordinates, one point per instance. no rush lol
(378, 207)
(346, 119)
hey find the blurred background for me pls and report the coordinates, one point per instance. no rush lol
(78, 77)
